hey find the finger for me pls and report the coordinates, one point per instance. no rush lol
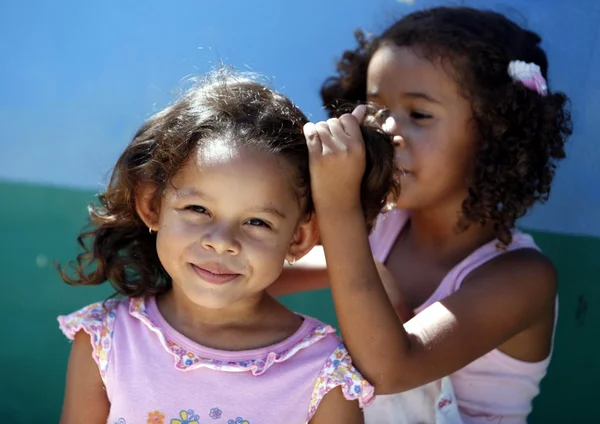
(323, 128)
(359, 113)
(327, 143)
(340, 136)
(313, 140)
(351, 126)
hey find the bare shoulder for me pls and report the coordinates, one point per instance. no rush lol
(526, 270)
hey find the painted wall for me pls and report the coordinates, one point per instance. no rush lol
(78, 78)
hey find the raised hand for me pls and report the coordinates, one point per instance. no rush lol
(337, 161)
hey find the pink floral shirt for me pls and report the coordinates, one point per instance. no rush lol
(153, 374)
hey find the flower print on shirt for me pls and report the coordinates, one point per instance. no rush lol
(186, 417)
(155, 417)
(215, 413)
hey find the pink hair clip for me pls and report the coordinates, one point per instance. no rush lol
(528, 74)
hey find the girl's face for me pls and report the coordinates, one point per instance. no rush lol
(432, 122)
(227, 223)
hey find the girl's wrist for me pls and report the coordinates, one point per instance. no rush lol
(336, 220)
(337, 211)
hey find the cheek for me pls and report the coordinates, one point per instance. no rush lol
(183, 226)
(266, 254)
(170, 245)
(174, 234)
(264, 248)
(426, 150)
(441, 161)
(266, 260)
(167, 255)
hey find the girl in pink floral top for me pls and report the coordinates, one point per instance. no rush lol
(202, 209)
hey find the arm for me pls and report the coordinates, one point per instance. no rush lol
(497, 302)
(310, 273)
(85, 397)
(334, 408)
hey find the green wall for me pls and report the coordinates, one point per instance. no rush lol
(38, 225)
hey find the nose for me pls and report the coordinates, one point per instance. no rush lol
(221, 239)
(391, 127)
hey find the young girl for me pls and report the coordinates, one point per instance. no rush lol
(478, 133)
(203, 207)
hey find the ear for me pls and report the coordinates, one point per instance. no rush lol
(305, 238)
(147, 206)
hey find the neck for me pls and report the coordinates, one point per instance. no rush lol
(180, 311)
(435, 232)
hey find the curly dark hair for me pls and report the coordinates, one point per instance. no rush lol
(226, 106)
(521, 134)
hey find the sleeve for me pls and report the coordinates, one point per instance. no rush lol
(339, 371)
(97, 320)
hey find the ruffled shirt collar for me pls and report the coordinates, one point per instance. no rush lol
(189, 355)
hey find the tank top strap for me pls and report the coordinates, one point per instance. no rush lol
(488, 252)
(454, 279)
(387, 228)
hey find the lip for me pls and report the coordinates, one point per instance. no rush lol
(214, 273)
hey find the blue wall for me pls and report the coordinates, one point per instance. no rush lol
(79, 77)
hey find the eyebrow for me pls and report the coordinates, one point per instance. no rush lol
(190, 192)
(270, 211)
(412, 94)
(421, 95)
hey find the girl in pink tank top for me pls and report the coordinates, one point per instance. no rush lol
(203, 207)
(478, 133)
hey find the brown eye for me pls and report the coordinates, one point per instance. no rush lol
(419, 115)
(255, 222)
(197, 209)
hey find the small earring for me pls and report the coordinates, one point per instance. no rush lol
(292, 262)
(150, 230)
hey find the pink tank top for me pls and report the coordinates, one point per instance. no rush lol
(495, 388)
(153, 374)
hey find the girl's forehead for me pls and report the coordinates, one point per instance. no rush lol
(221, 153)
(216, 151)
(395, 70)
(219, 172)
